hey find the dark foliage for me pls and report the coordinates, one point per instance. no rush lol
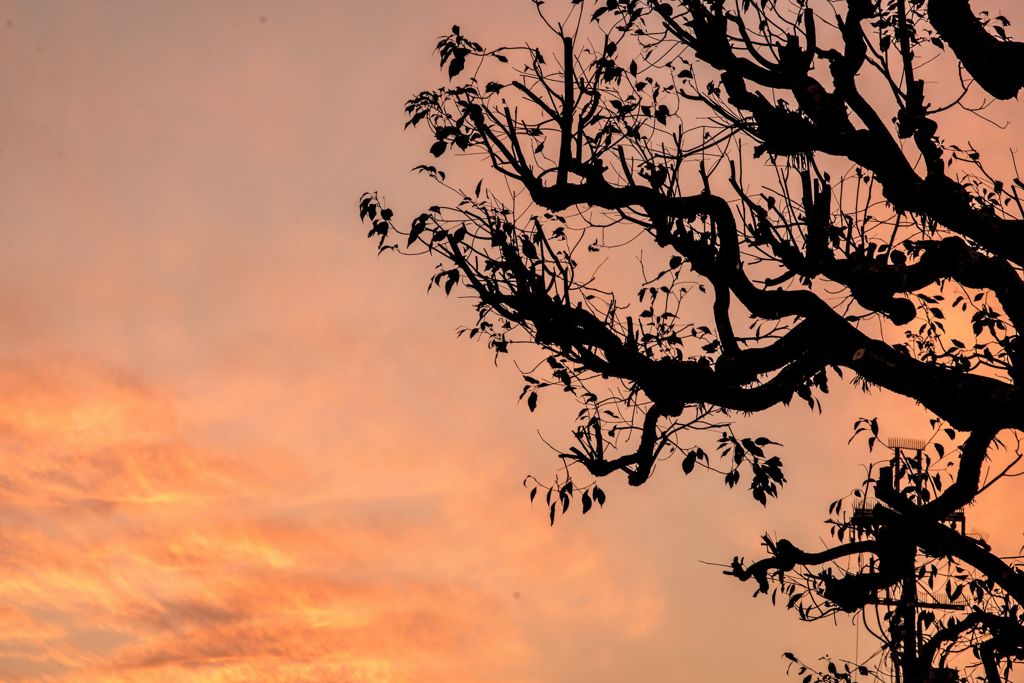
(865, 243)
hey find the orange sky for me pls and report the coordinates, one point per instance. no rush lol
(239, 446)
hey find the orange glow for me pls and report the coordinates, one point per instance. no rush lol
(239, 446)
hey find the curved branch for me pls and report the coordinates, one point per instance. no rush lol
(786, 557)
(995, 64)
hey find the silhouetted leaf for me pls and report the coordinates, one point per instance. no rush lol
(689, 461)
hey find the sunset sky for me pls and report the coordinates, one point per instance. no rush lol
(237, 445)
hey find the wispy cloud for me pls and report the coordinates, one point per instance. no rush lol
(131, 554)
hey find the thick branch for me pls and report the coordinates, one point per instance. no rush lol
(995, 64)
(787, 557)
(962, 399)
(822, 125)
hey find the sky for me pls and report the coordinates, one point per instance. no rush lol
(239, 445)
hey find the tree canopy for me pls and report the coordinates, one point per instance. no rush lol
(810, 209)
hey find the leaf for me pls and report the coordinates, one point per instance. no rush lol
(457, 64)
(417, 228)
(531, 401)
(438, 148)
(587, 503)
(529, 251)
(754, 449)
(453, 277)
(689, 462)
(432, 171)
(415, 118)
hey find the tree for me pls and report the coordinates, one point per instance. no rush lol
(791, 165)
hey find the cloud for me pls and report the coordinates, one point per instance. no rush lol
(131, 552)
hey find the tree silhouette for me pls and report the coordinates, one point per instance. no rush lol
(784, 166)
